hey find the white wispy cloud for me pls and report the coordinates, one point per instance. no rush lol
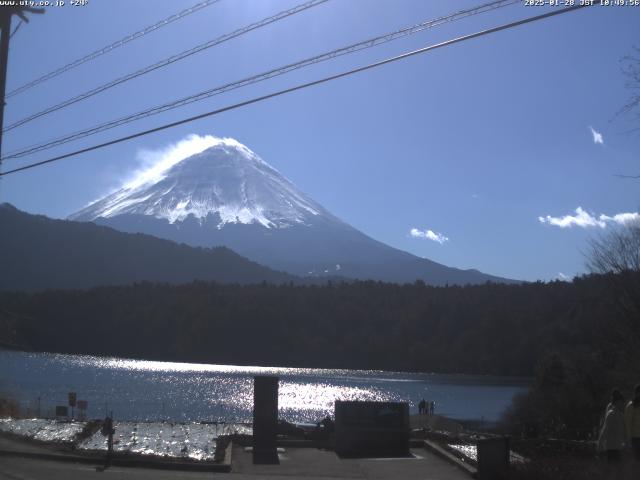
(563, 277)
(597, 136)
(155, 163)
(584, 219)
(429, 235)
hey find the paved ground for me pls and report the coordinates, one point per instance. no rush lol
(16, 445)
(435, 422)
(14, 468)
(317, 465)
(321, 464)
(308, 463)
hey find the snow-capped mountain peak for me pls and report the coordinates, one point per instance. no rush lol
(225, 181)
(209, 192)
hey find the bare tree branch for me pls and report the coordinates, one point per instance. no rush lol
(631, 70)
(617, 251)
(617, 254)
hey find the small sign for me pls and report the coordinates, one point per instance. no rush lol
(82, 404)
(62, 411)
(72, 399)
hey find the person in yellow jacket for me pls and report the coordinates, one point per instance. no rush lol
(632, 421)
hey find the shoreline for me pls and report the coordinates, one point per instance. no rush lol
(488, 379)
(165, 441)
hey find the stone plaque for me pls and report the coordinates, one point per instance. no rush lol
(372, 429)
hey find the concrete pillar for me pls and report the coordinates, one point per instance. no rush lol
(493, 458)
(265, 419)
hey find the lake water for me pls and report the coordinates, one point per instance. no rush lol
(140, 390)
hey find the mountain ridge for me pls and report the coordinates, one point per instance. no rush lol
(39, 253)
(226, 178)
(226, 195)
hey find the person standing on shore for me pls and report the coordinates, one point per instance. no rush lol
(632, 420)
(613, 434)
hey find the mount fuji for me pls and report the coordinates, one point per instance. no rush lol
(226, 195)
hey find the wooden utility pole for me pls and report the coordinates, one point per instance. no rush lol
(6, 13)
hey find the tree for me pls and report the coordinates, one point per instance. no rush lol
(616, 252)
(617, 255)
(631, 70)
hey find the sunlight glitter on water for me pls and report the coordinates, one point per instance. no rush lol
(158, 366)
(152, 391)
(316, 400)
(189, 440)
(194, 441)
(41, 429)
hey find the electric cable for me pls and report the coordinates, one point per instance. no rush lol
(369, 43)
(101, 51)
(301, 86)
(167, 61)
(15, 30)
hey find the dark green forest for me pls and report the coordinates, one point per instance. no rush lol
(488, 329)
(576, 339)
(38, 253)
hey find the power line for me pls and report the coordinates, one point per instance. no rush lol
(369, 43)
(15, 30)
(6, 15)
(301, 86)
(168, 61)
(119, 43)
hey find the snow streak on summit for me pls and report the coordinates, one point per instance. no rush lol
(209, 176)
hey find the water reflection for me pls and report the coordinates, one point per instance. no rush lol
(143, 390)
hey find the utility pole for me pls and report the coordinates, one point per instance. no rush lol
(6, 13)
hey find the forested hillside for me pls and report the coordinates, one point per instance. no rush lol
(487, 329)
(37, 253)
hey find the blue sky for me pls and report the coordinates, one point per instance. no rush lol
(484, 150)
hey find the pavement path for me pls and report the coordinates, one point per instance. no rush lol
(318, 465)
(308, 463)
(14, 468)
(436, 422)
(311, 463)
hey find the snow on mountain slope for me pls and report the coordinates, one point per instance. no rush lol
(225, 178)
(209, 191)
